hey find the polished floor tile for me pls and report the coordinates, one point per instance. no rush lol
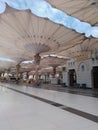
(83, 103)
(22, 112)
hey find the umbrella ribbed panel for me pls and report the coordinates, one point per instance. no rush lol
(53, 61)
(81, 52)
(23, 37)
(37, 48)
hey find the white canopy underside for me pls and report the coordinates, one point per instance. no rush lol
(22, 34)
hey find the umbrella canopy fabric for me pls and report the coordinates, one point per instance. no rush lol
(24, 34)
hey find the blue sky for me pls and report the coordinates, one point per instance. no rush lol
(6, 59)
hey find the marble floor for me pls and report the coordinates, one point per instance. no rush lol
(29, 108)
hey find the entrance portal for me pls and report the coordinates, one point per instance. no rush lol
(95, 76)
(72, 77)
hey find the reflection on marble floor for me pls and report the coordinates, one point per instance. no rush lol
(19, 111)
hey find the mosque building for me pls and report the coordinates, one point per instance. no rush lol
(48, 64)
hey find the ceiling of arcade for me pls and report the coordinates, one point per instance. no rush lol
(23, 35)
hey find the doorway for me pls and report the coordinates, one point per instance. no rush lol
(95, 76)
(72, 77)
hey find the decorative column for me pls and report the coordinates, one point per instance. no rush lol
(37, 59)
(17, 71)
(54, 71)
(48, 73)
(36, 74)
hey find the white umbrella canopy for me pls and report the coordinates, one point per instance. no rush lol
(53, 61)
(24, 35)
(49, 61)
(85, 10)
(85, 49)
(48, 70)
